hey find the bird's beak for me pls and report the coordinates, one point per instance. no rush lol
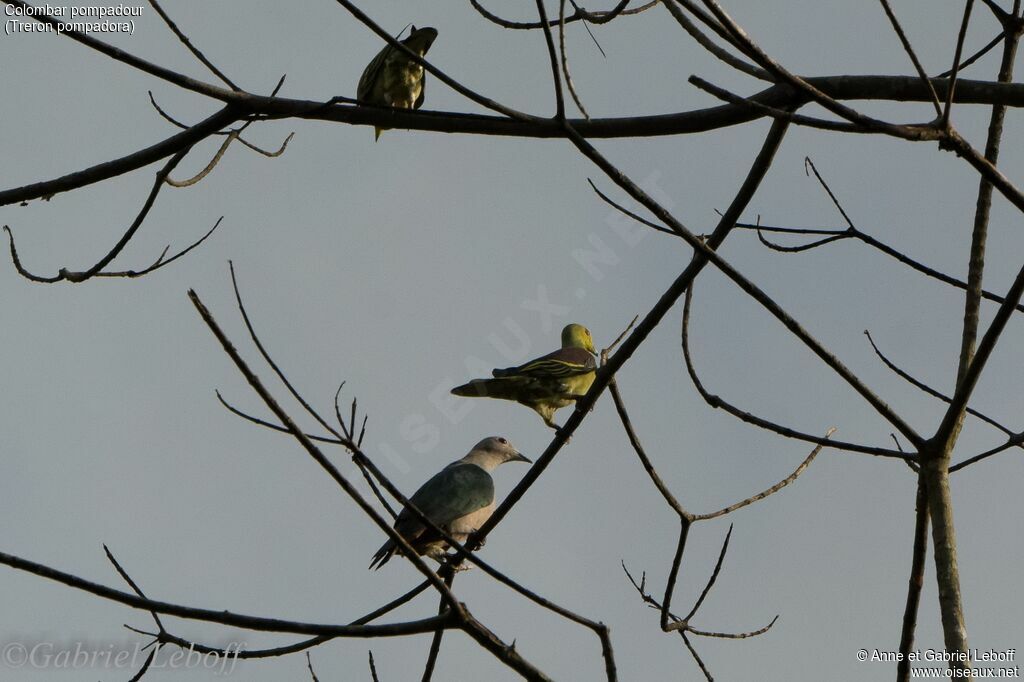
(520, 457)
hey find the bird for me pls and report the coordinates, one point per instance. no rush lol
(547, 383)
(458, 499)
(393, 79)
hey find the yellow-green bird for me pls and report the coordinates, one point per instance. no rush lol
(393, 79)
(547, 383)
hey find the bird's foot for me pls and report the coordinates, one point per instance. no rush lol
(457, 568)
(559, 430)
(577, 397)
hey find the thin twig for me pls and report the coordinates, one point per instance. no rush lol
(774, 489)
(565, 60)
(928, 389)
(145, 666)
(580, 15)
(553, 59)
(457, 613)
(435, 642)
(309, 664)
(642, 330)
(274, 427)
(209, 167)
(910, 52)
(373, 669)
(718, 402)
(915, 583)
(192, 48)
(953, 72)
(709, 45)
(223, 617)
(78, 277)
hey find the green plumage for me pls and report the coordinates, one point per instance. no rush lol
(455, 491)
(393, 79)
(547, 383)
(458, 500)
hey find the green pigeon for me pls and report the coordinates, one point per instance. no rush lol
(393, 79)
(547, 383)
(458, 499)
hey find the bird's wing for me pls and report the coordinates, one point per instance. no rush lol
(505, 388)
(563, 363)
(453, 492)
(371, 74)
(423, 92)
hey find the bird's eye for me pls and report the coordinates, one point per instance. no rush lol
(503, 441)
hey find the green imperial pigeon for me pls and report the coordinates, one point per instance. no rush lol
(458, 499)
(547, 383)
(392, 79)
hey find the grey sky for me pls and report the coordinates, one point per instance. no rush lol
(391, 265)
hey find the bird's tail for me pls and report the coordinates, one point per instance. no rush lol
(376, 133)
(504, 388)
(382, 555)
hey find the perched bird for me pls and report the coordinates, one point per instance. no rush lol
(547, 383)
(458, 499)
(393, 79)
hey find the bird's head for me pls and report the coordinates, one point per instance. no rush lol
(499, 449)
(420, 39)
(577, 336)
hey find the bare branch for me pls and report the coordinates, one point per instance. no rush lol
(553, 58)
(1013, 441)
(164, 637)
(274, 427)
(265, 152)
(78, 277)
(161, 262)
(915, 583)
(706, 251)
(774, 489)
(365, 464)
(192, 48)
(717, 402)
(709, 45)
(145, 666)
(175, 144)
(461, 615)
(645, 461)
(642, 330)
(435, 642)
(373, 669)
(131, 583)
(712, 579)
(910, 53)
(225, 617)
(625, 211)
(565, 60)
(309, 664)
(928, 389)
(953, 72)
(971, 374)
(775, 113)
(853, 232)
(696, 657)
(977, 55)
(209, 167)
(579, 15)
